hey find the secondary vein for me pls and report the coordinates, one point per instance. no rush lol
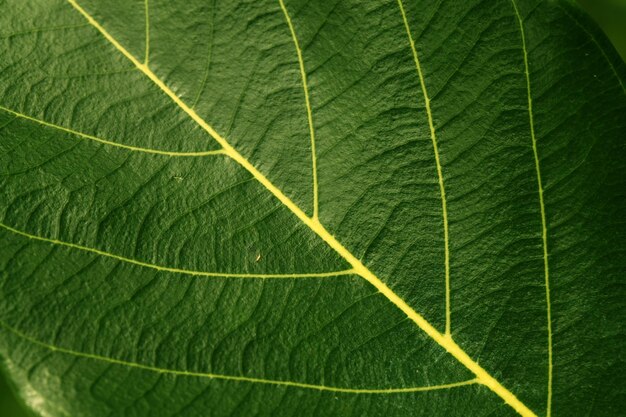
(544, 228)
(309, 111)
(163, 268)
(442, 188)
(146, 8)
(108, 142)
(236, 378)
(208, 58)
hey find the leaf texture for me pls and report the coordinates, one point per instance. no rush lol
(311, 208)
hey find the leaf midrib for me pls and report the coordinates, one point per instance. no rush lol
(445, 341)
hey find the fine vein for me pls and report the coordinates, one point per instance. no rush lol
(108, 142)
(443, 340)
(544, 228)
(208, 59)
(146, 8)
(171, 269)
(442, 189)
(309, 111)
(176, 372)
(41, 29)
(600, 48)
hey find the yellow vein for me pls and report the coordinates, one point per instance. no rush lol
(108, 142)
(359, 268)
(442, 189)
(147, 36)
(544, 228)
(170, 269)
(176, 372)
(309, 112)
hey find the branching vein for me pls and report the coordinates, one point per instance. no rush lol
(442, 188)
(146, 7)
(544, 228)
(235, 378)
(108, 142)
(171, 269)
(309, 111)
(207, 67)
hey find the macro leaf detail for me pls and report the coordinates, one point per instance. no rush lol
(283, 207)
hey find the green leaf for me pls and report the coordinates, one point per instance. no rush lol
(325, 208)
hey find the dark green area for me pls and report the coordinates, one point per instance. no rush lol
(611, 16)
(9, 407)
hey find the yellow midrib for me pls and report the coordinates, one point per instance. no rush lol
(444, 340)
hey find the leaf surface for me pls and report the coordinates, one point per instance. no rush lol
(318, 208)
